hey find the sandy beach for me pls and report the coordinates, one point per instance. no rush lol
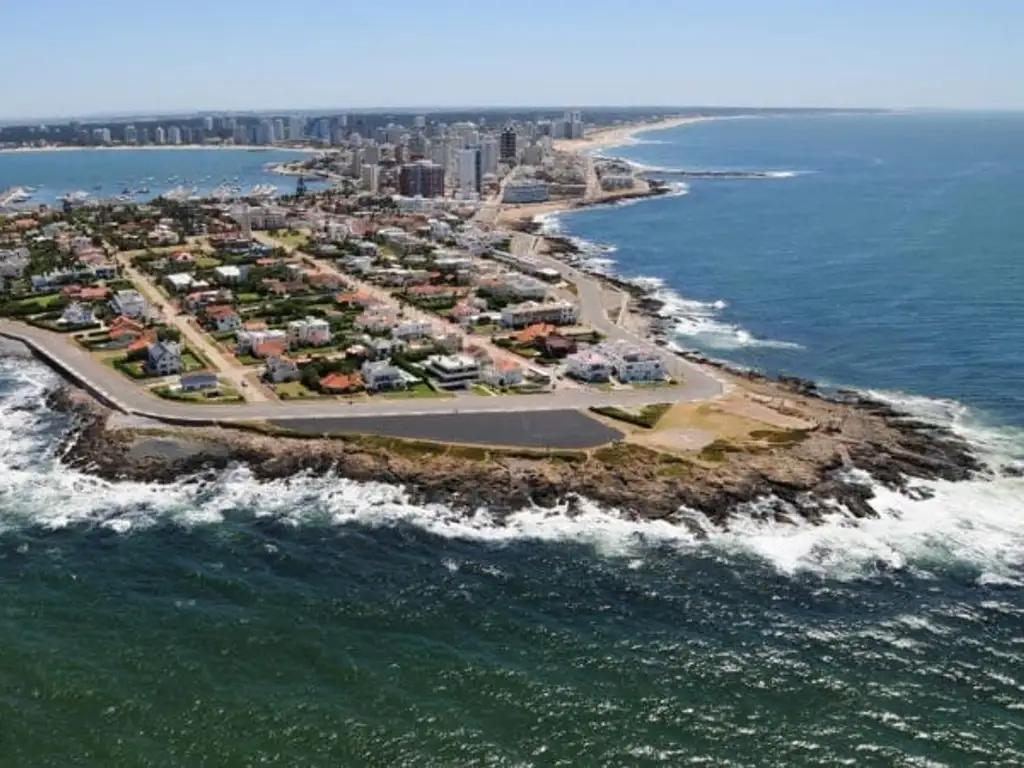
(624, 135)
(159, 147)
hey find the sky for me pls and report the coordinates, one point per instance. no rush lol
(67, 58)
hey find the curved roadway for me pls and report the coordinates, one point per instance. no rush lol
(123, 394)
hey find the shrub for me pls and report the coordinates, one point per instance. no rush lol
(648, 417)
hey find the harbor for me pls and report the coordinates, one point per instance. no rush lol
(29, 179)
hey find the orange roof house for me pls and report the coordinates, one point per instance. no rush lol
(94, 293)
(270, 348)
(142, 343)
(355, 298)
(534, 332)
(340, 383)
(125, 326)
(214, 311)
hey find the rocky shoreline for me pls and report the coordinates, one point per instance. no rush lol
(806, 476)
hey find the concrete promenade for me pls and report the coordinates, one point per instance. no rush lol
(129, 397)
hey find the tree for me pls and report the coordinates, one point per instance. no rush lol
(310, 378)
(168, 334)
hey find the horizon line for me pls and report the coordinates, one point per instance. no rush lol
(427, 110)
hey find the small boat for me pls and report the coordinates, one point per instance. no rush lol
(78, 197)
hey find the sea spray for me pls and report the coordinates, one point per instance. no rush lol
(973, 524)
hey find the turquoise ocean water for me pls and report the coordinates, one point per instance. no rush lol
(322, 622)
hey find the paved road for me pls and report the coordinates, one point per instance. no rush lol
(551, 429)
(229, 369)
(590, 294)
(130, 398)
(440, 326)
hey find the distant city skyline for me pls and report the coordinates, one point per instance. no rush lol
(122, 58)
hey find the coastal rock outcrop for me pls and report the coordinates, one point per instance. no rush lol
(806, 476)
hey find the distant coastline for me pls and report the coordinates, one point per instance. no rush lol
(160, 147)
(625, 135)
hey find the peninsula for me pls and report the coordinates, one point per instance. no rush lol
(407, 326)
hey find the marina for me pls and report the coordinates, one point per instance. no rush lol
(51, 178)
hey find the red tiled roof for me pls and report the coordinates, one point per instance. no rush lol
(269, 348)
(143, 342)
(341, 382)
(94, 293)
(219, 310)
(532, 333)
(125, 326)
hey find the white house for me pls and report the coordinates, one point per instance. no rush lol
(228, 274)
(77, 314)
(309, 332)
(246, 340)
(164, 358)
(162, 234)
(633, 364)
(375, 322)
(14, 262)
(453, 371)
(360, 264)
(588, 365)
(129, 303)
(515, 285)
(412, 330)
(382, 375)
(531, 312)
(281, 369)
(504, 373)
(383, 349)
(222, 318)
(179, 282)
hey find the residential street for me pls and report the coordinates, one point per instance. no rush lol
(130, 398)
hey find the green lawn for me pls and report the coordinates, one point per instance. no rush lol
(207, 262)
(480, 389)
(40, 303)
(225, 394)
(416, 391)
(328, 349)
(249, 298)
(526, 352)
(136, 369)
(191, 362)
(295, 390)
(292, 239)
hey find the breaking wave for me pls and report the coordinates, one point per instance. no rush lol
(974, 530)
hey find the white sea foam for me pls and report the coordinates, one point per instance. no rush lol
(975, 527)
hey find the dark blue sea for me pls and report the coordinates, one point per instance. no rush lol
(320, 622)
